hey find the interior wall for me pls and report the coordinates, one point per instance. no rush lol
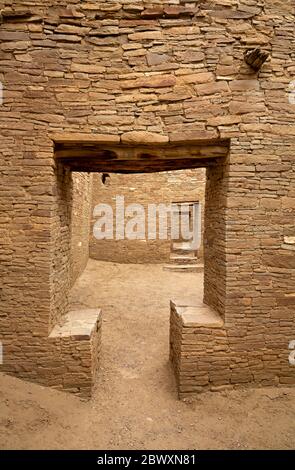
(60, 269)
(69, 236)
(144, 189)
(80, 227)
(215, 237)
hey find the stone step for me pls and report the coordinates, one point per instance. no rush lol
(186, 258)
(182, 245)
(187, 268)
(183, 251)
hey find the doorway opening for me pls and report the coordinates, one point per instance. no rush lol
(132, 161)
(186, 248)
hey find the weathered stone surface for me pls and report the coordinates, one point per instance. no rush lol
(192, 136)
(244, 107)
(235, 14)
(189, 57)
(156, 59)
(282, 260)
(152, 12)
(178, 10)
(153, 81)
(14, 36)
(196, 78)
(138, 137)
(85, 138)
(71, 29)
(212, 88)
(179, 93)
(87, 68)
(145, 36)
(244, 85)
(226, 120)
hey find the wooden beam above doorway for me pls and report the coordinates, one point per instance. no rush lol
(136, 152)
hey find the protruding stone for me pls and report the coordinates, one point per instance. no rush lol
(151, 13)
(153, 81)
(196, 78)
(178, 94)
(76, 138)
(141, 137)
(145, 36)
(87, 68)
(226, 120)
(192, 136)
(156, 59)
(189, 57)
(235, 14)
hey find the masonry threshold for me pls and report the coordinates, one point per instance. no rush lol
(197, 343)
(136, 152)
(77, 343)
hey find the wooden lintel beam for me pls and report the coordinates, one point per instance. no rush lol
(137, 153)
(121, 166)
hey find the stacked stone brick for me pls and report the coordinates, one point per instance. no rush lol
(199, 349)
(144, 189)
(80, 224)
(76, 345)
(175, 69)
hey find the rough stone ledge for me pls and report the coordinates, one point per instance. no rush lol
(78, 325)
(140, 138)
(79, 137)
(197, 316)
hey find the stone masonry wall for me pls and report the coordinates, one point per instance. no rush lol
(214, 238)
(76, 352)
(144, 189)
(173, 68)
(81, 214)
(199, 350)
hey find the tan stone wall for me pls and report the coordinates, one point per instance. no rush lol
(81, 214)
(214, 238)
(75, 349)
(144, 189)
(105, 67)
(199, 350)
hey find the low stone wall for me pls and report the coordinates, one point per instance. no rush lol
(206, 356)
(76, 345)
(198, 349)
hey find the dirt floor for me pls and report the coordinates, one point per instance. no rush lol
(135, 405)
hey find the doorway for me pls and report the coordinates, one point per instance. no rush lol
(90, 156)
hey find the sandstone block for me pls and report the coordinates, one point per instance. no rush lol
(212, 88)
(192, 136)
(153, 81)
(140, 137)
(226, 120)
(196, 78)
(145, 36)
(156, 59)
(178, 94)
(244, 85)
(87, 68)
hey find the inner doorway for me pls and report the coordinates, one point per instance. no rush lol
(89, 157)
(185, 252)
